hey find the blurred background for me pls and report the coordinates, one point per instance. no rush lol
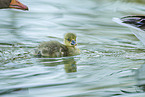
(110, 54)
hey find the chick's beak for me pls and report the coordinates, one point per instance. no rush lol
(73, 43)
(17, 5)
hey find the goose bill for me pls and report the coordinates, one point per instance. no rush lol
(17, 5)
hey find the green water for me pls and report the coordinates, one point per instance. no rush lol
(106, 67)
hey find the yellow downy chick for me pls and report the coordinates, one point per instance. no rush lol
(56, 49)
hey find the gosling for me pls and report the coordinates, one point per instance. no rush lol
(56, 49)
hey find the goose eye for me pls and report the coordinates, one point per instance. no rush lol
(68, 39)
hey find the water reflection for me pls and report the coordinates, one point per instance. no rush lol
(140, 76)
(13, 26)
(69, 63)
(14, 90)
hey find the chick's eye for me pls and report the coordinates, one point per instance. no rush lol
(68, 39)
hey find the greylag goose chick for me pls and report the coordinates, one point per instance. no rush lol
(56, 49)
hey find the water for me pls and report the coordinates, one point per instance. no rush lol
(106, 67)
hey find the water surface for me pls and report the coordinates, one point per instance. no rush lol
(106, 67)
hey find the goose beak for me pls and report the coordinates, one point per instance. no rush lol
(17, 5)
(73, 43)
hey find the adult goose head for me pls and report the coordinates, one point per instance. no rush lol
(12, 4)
(136, 23)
